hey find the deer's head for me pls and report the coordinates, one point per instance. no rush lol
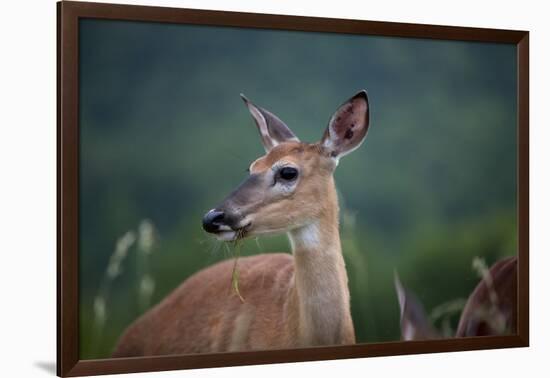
(287, 187)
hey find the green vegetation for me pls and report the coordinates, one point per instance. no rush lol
(164, 136)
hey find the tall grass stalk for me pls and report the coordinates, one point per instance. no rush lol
(235, 272)
(114, 269)
(145, 246)
(144, 241)
(444, 312)
(351, 250)
(491, 315)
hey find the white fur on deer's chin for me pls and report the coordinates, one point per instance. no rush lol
(226, 235)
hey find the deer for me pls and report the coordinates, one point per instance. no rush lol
(490, 310)
(289, 300)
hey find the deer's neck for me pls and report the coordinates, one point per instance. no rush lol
(321, 295)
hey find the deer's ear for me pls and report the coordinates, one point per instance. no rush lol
(415, 324)
(272, 130)
(348, 126)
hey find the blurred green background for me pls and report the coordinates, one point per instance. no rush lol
(164, 137)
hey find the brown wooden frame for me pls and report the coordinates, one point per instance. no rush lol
(68, 15)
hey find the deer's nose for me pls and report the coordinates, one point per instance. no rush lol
(213, 220)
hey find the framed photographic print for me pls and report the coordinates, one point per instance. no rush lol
(238, 188)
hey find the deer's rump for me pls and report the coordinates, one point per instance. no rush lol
(204, 314)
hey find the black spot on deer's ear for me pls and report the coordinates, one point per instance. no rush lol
(348, 126)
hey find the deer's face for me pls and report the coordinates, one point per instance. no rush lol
(285, 187)
(279, 194)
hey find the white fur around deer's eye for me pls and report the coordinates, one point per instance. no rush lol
(285, 188)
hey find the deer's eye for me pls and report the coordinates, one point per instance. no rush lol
(288, 173)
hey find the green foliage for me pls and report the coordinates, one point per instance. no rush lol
(164, 136)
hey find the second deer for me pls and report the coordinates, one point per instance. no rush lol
(491, 308)
(291, 300)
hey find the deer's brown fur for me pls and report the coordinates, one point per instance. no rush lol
(289, 300)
